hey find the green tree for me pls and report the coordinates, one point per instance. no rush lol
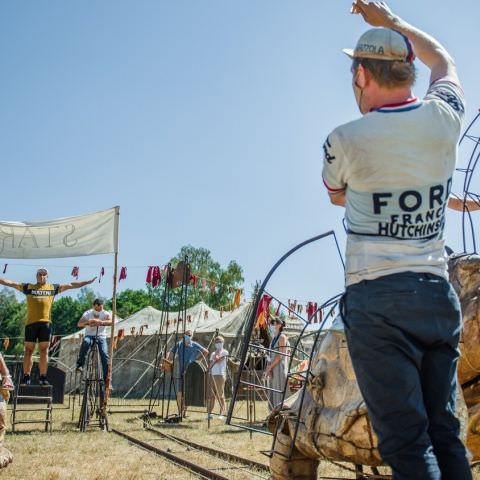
(227, 280)
(12, 321)
(131, 301)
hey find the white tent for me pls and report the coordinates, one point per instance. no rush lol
(231, 324)
(137, 349)
(147, 321)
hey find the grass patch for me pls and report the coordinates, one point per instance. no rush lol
(67, 454)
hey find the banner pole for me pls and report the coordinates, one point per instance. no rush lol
(108, 381)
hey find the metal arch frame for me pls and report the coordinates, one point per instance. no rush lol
(469, 171)
(253, 314)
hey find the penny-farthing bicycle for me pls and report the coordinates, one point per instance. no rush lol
(92, 410)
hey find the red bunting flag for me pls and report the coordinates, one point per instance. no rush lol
(312, 311)
(154, 277)
(123, 274)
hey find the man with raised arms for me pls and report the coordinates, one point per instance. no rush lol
(392, 169)
(40, 296)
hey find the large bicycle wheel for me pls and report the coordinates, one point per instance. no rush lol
(90, 404)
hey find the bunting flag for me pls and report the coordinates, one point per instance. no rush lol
(236, 300)
(5, 268)
(213, 286)
(101, 274)
(154, 277)
(263, 311)
(75, 272)
(6, 343)
(194, 280)
(292, 307)
(312, 311)
(123, 275)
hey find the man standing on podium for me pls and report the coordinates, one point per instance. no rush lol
(40, 296)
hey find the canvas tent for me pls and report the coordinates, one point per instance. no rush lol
(135, 353)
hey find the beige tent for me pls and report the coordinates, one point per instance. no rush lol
(135, 354)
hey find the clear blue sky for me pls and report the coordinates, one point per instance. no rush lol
(203, 119)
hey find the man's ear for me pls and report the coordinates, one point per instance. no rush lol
(361, 78)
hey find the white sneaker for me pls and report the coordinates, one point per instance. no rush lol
(221, 417)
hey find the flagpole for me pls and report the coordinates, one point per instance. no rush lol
(108, 381)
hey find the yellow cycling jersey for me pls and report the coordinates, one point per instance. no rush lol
(39, 301)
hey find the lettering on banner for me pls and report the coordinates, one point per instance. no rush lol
(14, 237)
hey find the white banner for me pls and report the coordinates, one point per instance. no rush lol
(90, 234)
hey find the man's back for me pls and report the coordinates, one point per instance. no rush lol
(398, 163)
(392, 170)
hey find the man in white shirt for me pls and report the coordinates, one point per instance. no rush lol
(392, 170)
(96, 320)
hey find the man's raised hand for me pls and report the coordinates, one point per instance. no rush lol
(377, 14)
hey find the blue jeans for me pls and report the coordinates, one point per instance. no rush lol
(402, 332)
(102, 348)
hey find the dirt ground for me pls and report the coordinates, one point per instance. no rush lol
(68, 454)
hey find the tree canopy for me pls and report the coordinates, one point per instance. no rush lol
(221, 282)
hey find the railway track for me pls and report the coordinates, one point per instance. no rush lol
(206, 462)
(235, 466)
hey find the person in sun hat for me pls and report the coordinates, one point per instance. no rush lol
(40, 296)
(392, 171)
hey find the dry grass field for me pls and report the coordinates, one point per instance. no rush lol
(68, 454)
